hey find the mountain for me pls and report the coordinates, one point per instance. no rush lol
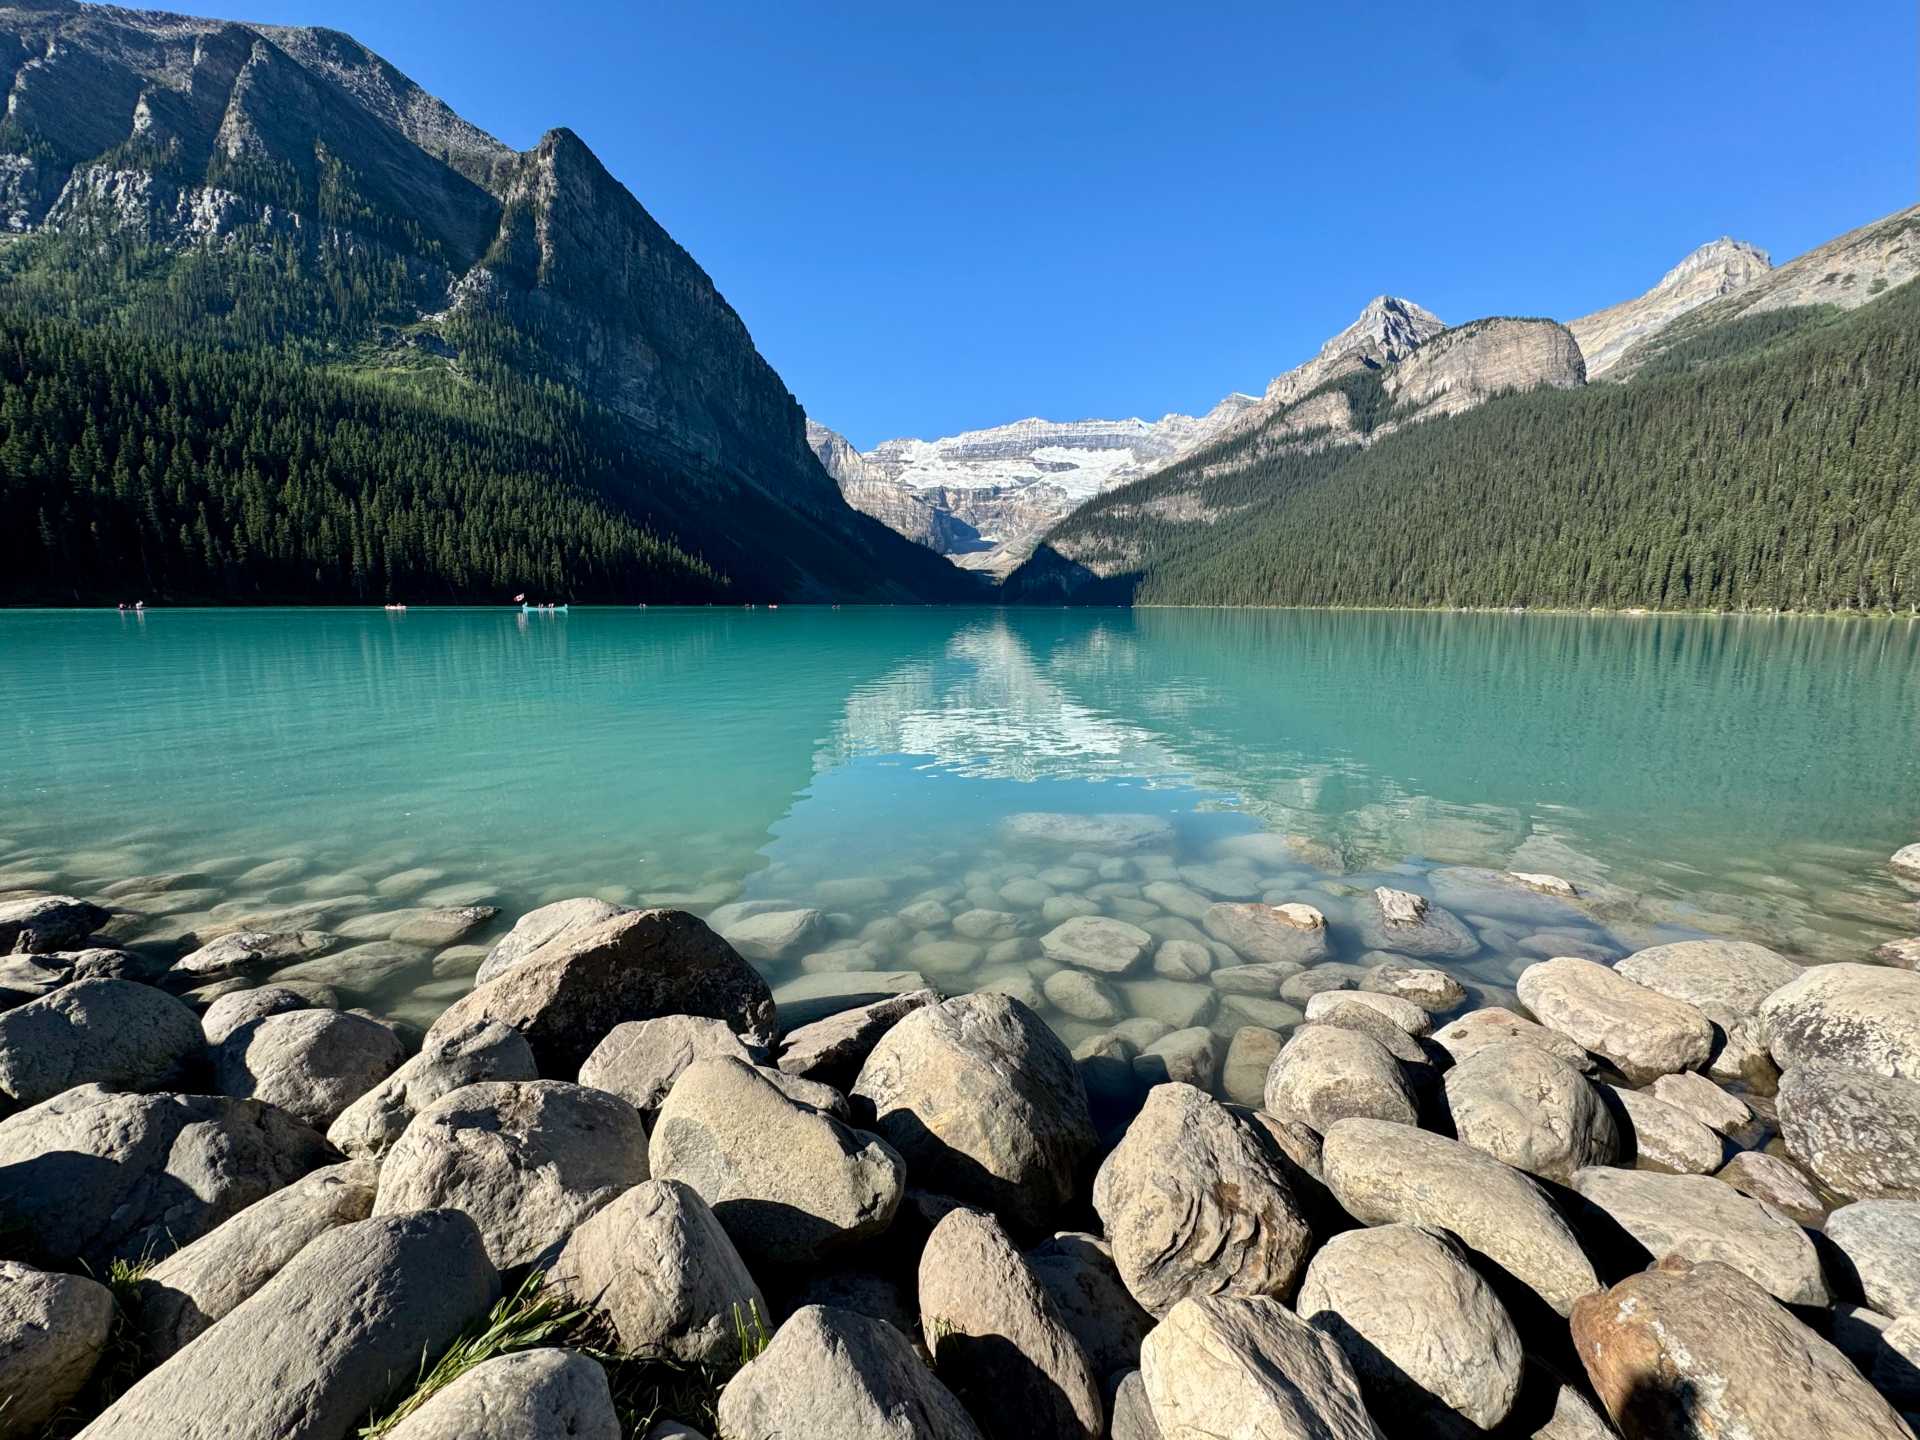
(1717, 268)
(1845, 273)
(984, 496)
(174, 188)
(1763, 453)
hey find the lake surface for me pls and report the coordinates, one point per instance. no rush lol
(1738, 777)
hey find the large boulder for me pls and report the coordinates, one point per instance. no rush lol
(1270, 934)
(566, 995)
(640, 1060)
(535, 928)
(835, 1372)
(229, 1012)
(789, 1183)
(1078, 1271)
(485, 1050)
(833, 1050)
(311, 1063)
(47, 922)
(352, 1318)
(527, 1159)
(1725, 980)
(1245, 1366)
(984, 1103)
(656, 1262)
(1432, 1344)
(1643, 1033)
(53, 1331)
(1866, 1016)
(92, 1176)
(1402, 1014)
(196, 1285)
(1383, 1173)
(1496, 1025)
(1526, 1106)
(1657, 1136)
(542, 1394)
(1195, 1204)
(1881, 1242)
(1701, 1218)
(115, 1033)
(1696, 1351)
(998, 1339)
(1857, 1130)
(1409, 924)
(1329, 1073)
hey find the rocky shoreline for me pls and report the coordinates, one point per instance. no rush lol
(1174, 1168)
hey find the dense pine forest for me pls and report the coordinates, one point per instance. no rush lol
(1771, 463)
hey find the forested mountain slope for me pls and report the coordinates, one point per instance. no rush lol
(1771, 461)
(183, 187)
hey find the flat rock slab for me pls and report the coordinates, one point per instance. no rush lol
(1857, 1130)
(1112, 834)
(1644, 1033)
(1232, 1366)
(1194, 1204)
(830, 1371)
(350, 1320)
(1866, 1016)
(640, 1060)
(1096, 942)
(1700, 1218)
(528, 1395)
(1697, 1351)
(1270, 934)
(1383, 1173)
(1659, 1136)
(92, 1176)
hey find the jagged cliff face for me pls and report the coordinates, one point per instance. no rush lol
(1717, 268)
(1846, 273)
(188, 133)
(984, 497)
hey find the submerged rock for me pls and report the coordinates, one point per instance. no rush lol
(1095, 942)
(1270, 934)
(1112, 833)
(1410, 924)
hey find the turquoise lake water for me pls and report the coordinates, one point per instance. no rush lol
(1740, 777)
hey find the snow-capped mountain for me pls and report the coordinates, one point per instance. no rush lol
(984, 497)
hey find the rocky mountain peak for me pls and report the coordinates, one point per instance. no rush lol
(1389, 325)
(1735, 261)
(1720, 267)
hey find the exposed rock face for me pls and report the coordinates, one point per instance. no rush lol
(528, 1395)
(1195, 1204)
(567, 994)
(545, 242)
(834, 1372)
(94, 1177)
(1696, 1351)
(197, 1285)
(345, 1324)
(527, 1160)
(997, 1337)
(658, 1265)
(790, 1184)
(1717, 268)
(1383, 1173)
(1470, 364)
(537, 927)
(1846, 272)
(53, 1329)
(984, 1103)
(115, 1033)
(1247, 1366)
(833, 1050)
(1427, 1336)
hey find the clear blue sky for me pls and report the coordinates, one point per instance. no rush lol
(934, 217)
